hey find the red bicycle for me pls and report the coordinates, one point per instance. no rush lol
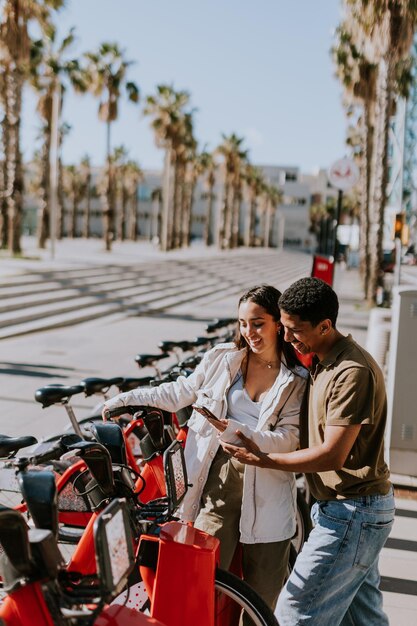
(41, 593)
(170, 556)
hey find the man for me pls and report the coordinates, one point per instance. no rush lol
(336, 578)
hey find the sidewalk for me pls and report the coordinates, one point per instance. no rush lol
(71, 253)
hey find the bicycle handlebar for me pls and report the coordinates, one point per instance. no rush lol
(122, 410)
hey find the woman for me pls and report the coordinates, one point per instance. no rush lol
(254, 384)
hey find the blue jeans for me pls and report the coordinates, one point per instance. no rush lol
(335, 581)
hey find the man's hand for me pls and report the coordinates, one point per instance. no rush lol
(249, 453)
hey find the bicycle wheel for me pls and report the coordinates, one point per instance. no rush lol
(303, 521)
(234, 595)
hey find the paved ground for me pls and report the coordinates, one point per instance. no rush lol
(107, 343)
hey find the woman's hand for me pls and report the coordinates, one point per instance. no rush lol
(220, 425)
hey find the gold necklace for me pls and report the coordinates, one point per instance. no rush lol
(269, 364)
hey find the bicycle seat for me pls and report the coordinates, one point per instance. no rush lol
(53, 394)
(148, 359)
(13, 444)
(220, 323)
(39, 492)
(169, 346)
(190, 361)
(200, 341)
(98, 385)
(110, 435)
(128, 384)
(166, 378)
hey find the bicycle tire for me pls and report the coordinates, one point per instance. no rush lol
(303, 520)
(243, 597)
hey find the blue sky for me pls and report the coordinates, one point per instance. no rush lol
(259, 69)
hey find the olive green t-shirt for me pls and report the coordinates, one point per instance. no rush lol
(347, 387)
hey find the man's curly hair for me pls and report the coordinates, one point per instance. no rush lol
(312, 300)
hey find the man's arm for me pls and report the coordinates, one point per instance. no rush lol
(330, 455)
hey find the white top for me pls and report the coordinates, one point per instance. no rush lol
(240, 405)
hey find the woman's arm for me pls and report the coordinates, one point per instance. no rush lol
(168, 396)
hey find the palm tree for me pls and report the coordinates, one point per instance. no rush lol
(382, 32)
(170, 122)
(15, 45)
(358, 77)
(49, 72)
(233, 159)
(106, 76)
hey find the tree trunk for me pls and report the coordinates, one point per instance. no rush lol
(72, 231)
(250, 241)
(229, 216)
(267, 226)
(179, 207)
(235, 222)
(133, 222)
(122, 217)
(208, 233)
(187, 218)
(43, 211)
(224, 209)
(61, 201)
(379, 176)
(365, 168)
(14, 175)
(167, 198)
(108, 199)
(87, 209)
(3, 187)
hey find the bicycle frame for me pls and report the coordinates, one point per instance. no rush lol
(26, 605)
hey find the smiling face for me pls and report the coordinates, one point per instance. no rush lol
(303, 336)
(259, 329)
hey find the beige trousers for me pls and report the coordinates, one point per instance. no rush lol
(264, 565)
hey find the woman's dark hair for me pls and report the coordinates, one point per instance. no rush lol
(267, 297)
(312, 300)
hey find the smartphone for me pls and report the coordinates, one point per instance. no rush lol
(205, 412)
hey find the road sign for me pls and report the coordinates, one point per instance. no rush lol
(343, 174)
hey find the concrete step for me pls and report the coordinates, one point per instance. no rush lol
(54, 292)
(122, 297)
(146, 288)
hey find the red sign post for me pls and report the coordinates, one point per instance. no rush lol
(323, 268)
